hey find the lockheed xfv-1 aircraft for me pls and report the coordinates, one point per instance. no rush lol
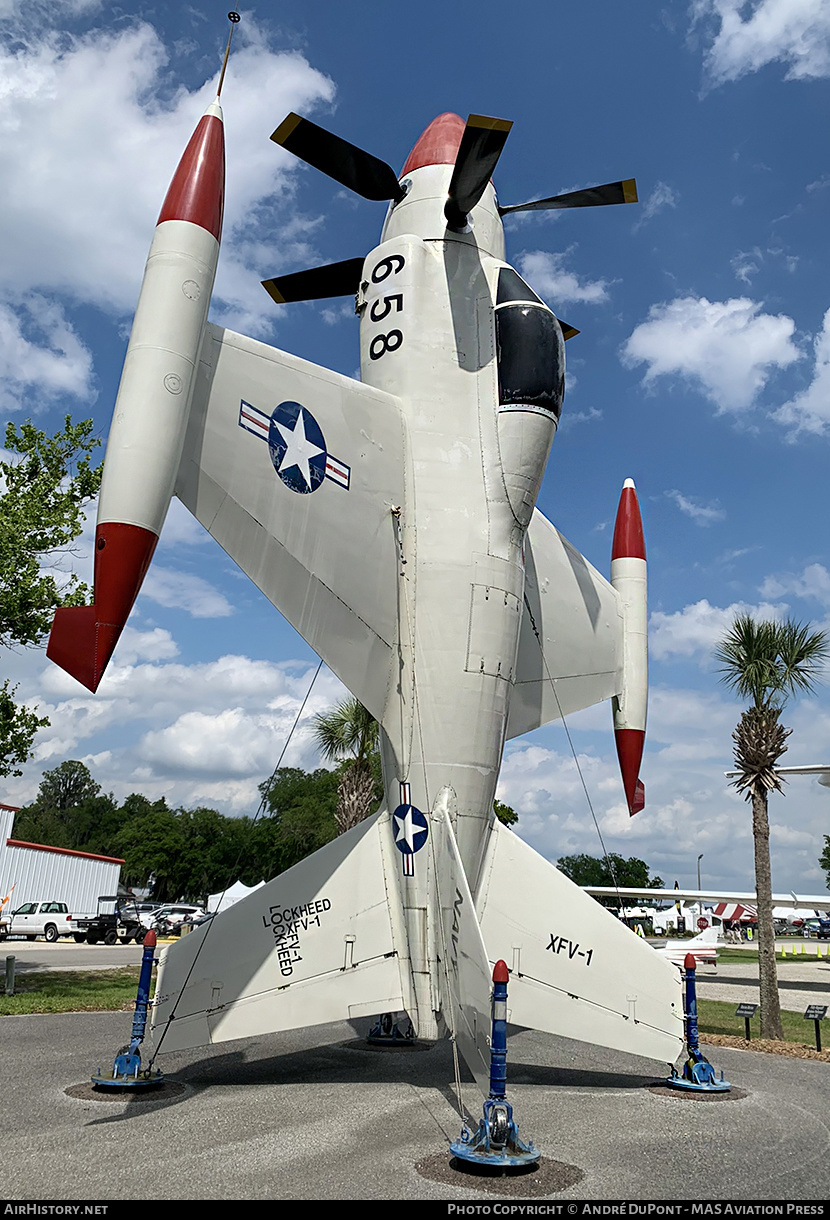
(392, 521)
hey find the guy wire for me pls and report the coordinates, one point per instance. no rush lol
(262, 805)
(605, 855)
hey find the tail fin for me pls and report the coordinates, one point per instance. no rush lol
(464, 972)
(576, 970)
(316, 944)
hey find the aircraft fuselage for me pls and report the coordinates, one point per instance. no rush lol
(428, 334)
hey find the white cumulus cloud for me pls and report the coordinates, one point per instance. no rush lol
(751, 35)
(41, 356)
(89, 139)
(728, 349)
(547, 275)
(696, 629)
(809, 411)
(184, 591)
(701, 514)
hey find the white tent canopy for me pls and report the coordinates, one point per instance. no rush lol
(234, 893)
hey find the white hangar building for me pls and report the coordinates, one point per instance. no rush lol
(53, 874)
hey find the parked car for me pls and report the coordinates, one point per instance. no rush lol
(823, 930)
(173, 914)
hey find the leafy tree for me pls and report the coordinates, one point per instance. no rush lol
(349, 734)
(211, 852)
(766, 663)
(45, 488)
(70, 810)
(824, 859)
(505, 813)
(152, 843)
(610, 870)
(303, 817)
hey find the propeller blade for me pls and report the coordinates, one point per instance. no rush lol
(334, 280)
(345, 163)
(480, 148)
(568, 331)
(592, 196)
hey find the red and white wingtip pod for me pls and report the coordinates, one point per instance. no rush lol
(151, 410)
(628, 577)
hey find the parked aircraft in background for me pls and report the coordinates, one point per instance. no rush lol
(814, 902)
(703, 947)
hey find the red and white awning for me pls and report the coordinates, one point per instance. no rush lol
(735, 911)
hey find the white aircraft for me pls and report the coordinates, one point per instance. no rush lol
(703, 948)
(815, 902)
(392, 521)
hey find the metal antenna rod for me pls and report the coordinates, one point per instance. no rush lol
(234, 19)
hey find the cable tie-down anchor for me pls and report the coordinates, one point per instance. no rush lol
(127, 1072)
(496, 1142)
(698, 1075)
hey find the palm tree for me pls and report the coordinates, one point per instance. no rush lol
(766, 663)
(349, 734)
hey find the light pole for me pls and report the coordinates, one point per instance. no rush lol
(700, 857)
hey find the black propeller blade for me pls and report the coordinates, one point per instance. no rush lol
(592, 196)
(334, 280)
(350, 166)
(568, 331)
(480, 148)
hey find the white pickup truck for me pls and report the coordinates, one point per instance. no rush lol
(48, 919)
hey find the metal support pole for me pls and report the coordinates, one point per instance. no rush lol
(698, 1074)
(496, 1143)
(10, 975)
(126, 1070)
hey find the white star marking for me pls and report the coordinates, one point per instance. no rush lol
(407, 830)
(299, 449)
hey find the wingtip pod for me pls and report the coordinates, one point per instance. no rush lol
(147, 433)
(629, 542)
(630, 744)
(197, 190)
(628, 577)
(83, 638)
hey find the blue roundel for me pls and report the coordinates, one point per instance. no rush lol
(297, 447)
(410, 829)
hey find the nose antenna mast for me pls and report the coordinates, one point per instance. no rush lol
(234, 19)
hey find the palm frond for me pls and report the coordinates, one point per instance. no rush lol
(347, 730)
(801, 657)
(766, 661)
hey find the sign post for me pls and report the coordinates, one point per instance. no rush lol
(747, 1011)
(816, 1013)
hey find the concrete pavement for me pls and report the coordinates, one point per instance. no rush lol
(315, 1114)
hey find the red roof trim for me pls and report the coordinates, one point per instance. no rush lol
(11, 808)
(64, 851)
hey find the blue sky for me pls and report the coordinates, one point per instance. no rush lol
(702, 369)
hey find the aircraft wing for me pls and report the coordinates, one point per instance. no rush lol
(295, 471)
(579, 618)
(814, 902)
(575, 970)
(316, 944)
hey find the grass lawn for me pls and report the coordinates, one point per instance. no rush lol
(71, 991)
(725, 954)
(716, 1017)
